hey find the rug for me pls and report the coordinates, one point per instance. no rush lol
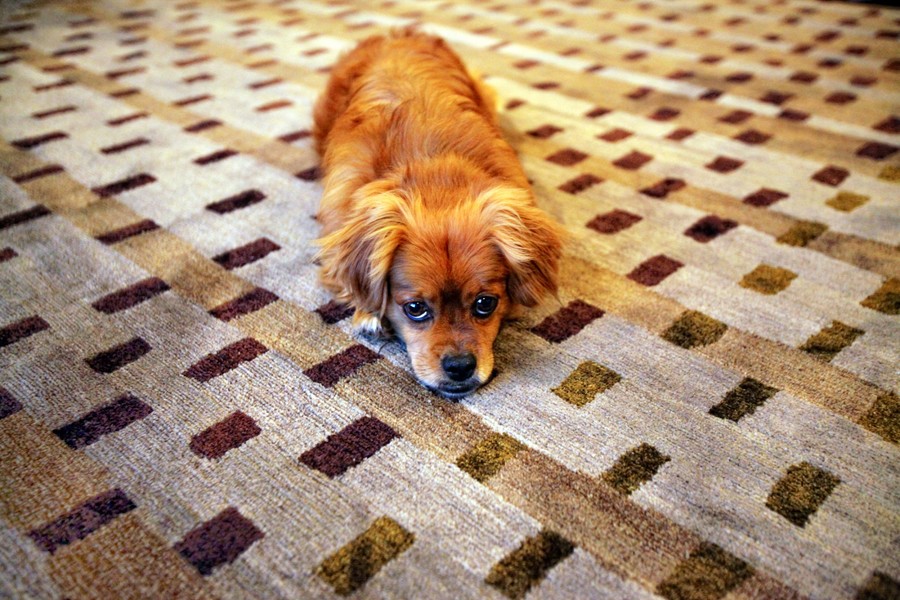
(709, 410)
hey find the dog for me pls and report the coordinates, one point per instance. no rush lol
(430, 229)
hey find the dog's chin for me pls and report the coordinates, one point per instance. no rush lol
(452, 390)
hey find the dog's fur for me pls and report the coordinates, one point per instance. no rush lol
(425, 202)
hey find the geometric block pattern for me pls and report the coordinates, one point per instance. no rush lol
(339, 366)
(883, 417)
(131, 296)
(349, 447)
(654, 270)
(333, 312)
(585, 382)
(767, 279)
(117, 357)
(19, 330)
(568, 321)
(351, 567)
(613, 222)
(709, 573)
(693, 329)
(709, 227)
(8, 404)
(826, 344)
(524, 567)
(226, 359)
(252, 301)
(225, 435)
(158, 191)
(743, 400)
(802, 233)
(799, 494)
(218, 541)
(102, 421)
(885, 299)
(847, 201)
(487, 457)
(82, 520)
(635, 468)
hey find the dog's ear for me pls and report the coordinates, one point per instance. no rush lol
(529, 240)
(356, 258)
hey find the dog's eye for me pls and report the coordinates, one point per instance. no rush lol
(484, 306)
(416, 310)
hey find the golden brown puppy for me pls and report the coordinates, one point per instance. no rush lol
(428, 221)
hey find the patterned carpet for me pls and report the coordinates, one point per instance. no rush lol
(709, 411)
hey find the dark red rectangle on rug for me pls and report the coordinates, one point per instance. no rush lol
(349, 447)
(248, 303)
(192, 100)
(226, 359)
(102, 421)
(82, 521)
(568, 321)
(225, 435)
(127, 145)
(215, 157)
(653, 270)
(334, 311)
(55, 85)
(52, 112)
(33, 142)
(128, 231)
(663, 188)
(38, 173)
(7, 254)
(218, 541)
(23, 216)
(124, 185)
(127, 119)
(241, 200)
(131, 296)
(246, 254)
(117, 357)
(332, 370)
(20, 330)
(8, 404)
(119, 73)
(201, 125)
(294, 136)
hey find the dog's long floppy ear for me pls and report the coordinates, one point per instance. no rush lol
(356, 258)
(529, 240)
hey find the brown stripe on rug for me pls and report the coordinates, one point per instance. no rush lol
(568, 321)
(219, 541)
(131, 296)
(82, 521)
(119, 356)
(102, 421)
(228, 434)
(341, 365)
(230, 357)
(254, 300)
(348, 447)
(27, 327)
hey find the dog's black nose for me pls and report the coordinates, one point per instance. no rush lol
(459, 367)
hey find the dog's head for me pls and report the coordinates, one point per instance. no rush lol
(444, 274)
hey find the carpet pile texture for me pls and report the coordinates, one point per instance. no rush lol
(708, 411)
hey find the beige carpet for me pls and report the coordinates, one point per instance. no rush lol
(710, 411)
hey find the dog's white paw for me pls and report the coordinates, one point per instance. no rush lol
(368, 325)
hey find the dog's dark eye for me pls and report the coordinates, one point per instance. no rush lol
(417, 311)
(484, 306)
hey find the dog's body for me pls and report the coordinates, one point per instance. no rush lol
(428, 221)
